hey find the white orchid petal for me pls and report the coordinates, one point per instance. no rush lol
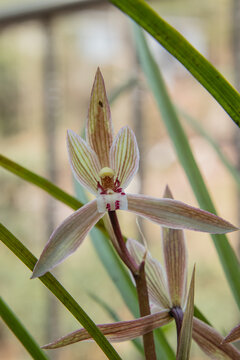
(84, 161)
(124, 156)
(67, 237)
(155, 276)
(175, 258)
(177, 215)
(112, 202)
(117, 332)
(210, 341)
(99, 129)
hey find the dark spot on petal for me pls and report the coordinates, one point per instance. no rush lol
(100, 103)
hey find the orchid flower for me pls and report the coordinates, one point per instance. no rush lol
(168, 297)
(105, 166)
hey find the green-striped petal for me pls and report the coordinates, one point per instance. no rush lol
(117, 332)
(177, 215)
(67, 237)
(175, 258)
(234, 335)
(84, 161)
(155, 275)
(124, 156)
(99, 129)
(211, 342)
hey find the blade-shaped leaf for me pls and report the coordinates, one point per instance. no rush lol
(211, 342)
(226, 254)
(177, 215)
(124, 156)
(58, 290)
(201, 131)
(67, 237)
(184, 345)
(182, 50)
(99, 128)
(40, 182)
(117, 332)
(84, 161)
(234, 335)
(175, 258)
(20, 332)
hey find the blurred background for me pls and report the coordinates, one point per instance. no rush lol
(48, 60)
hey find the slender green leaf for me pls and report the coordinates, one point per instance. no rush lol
(226, 254)
(58, 290)
(200, 130)
(183, 51)
(20, 332)
(39, 181)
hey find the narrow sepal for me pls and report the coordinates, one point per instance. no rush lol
(117, 332)
(211, 342)
(84, 161)
(124, 156)
(155, 276)
(184, 344)
(177, 215)
(67, 237)
(234, 335)
(175, 258)
(99, 129)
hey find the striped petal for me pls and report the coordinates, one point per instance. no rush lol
(210, 341)
(84, 161)
(175, 258)
(155, 276)
(185, 340)
(67, 237)
(99, 129)
(177, 215)
(117, 332)
(234, 335)
(124, 156)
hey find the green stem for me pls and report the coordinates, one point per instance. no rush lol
(20, 332)
(58, 290)
(182, 50)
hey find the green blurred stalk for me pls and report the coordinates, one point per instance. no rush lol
(20, 332)
(58, 290)
(225, 252)
(183, 51)
(200, 130)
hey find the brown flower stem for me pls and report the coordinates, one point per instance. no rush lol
(138, 273)
(141, 285)
(177, 313)
(125, 256)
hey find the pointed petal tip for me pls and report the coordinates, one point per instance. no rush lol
(167, 193)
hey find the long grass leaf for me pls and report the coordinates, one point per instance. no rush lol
(200, 130)
(183, 51)
(58, 290)
(21, 332)
(225, 252)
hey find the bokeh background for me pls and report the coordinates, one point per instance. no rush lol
(47, 67)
